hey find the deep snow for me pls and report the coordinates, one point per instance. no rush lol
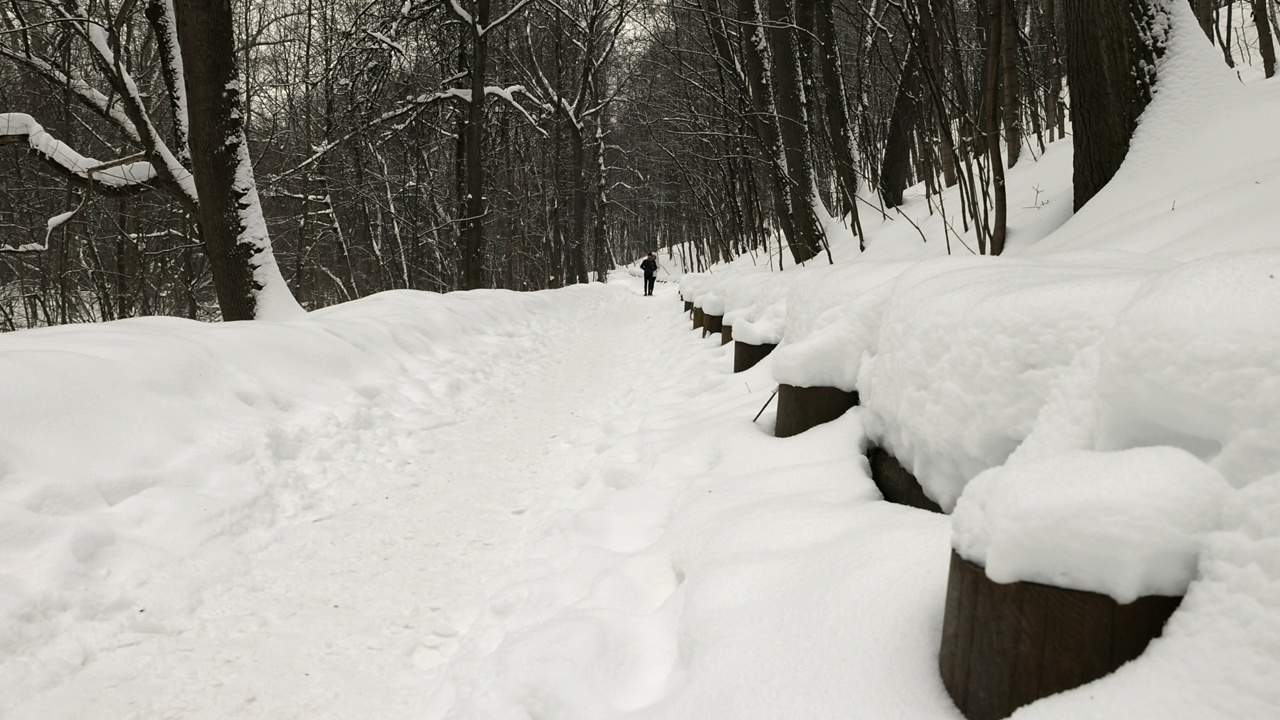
(556, 505)
(478, 505)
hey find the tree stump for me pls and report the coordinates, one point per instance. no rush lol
(800, 408)
(746, 355)
(1004, 646)
(697, 318)
(726, 334)
(895, 483)
(712, 324)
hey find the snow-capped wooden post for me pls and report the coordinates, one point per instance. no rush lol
(712, 324)
(726, 334)
(895, 483)
(746, 355)
(1007, 645)
(800, 408)
(1065, 565)
(697, 318)
(688, 306)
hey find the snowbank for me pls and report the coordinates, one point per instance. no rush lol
(969, 350)
(129, 446)
(832, 321)
(1194, 361)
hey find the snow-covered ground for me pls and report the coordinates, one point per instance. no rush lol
(557, 505)
(480, 505)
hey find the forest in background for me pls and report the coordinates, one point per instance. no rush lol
(607, 128)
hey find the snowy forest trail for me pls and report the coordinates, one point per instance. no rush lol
(345, 613)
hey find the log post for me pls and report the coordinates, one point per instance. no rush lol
(800, 408)
(712, 324)
(746, 355)
(697, 318)
(895, 483)
(726, 334)
(1007, 645)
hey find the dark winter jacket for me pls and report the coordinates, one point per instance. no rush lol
(649, 266)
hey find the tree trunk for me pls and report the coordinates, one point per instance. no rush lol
(1009, 62)
(991, 121)
(754, 45)
(896, 164)
(578, 236)
(245, 275)
(1056, 118)
(839, 125)
(1204, 13)
(786, 82)
(1225, 43)
(599, 233)
(937, 75)
(473, 269)
(1266, 45)
(1105, 53)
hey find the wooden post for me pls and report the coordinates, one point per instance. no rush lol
(895, 483)
(746, 355)
(712, 324)
(726, 334)
(1006, 645)
(688, 306)
(697, 318)
(800, 408)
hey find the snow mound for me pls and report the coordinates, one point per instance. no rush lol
(1194, 361)
(832, 321)
(131, 446)
(757, 309)
(1126, 524)
(970, 349)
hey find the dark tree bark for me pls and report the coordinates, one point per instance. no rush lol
(474, 274)
(1108, 48)
(577, 251)
(1224, 43)
(1012, 92)
(936, 72)
(990, 124)
(895, 167)
(231, 221)
(1056, 118)
(786, 83)
(839, 125)
(754, 44)
(1266, 45)
(1204, 14)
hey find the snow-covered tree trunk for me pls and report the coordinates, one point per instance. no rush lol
(247, 279)
(792, 117)
(1112, 47)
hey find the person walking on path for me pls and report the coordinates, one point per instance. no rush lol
(650, 268)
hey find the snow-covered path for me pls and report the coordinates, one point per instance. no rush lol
(345, 614)
(482, 506)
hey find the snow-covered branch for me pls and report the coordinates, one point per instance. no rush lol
(112, 177)
(506, 16)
